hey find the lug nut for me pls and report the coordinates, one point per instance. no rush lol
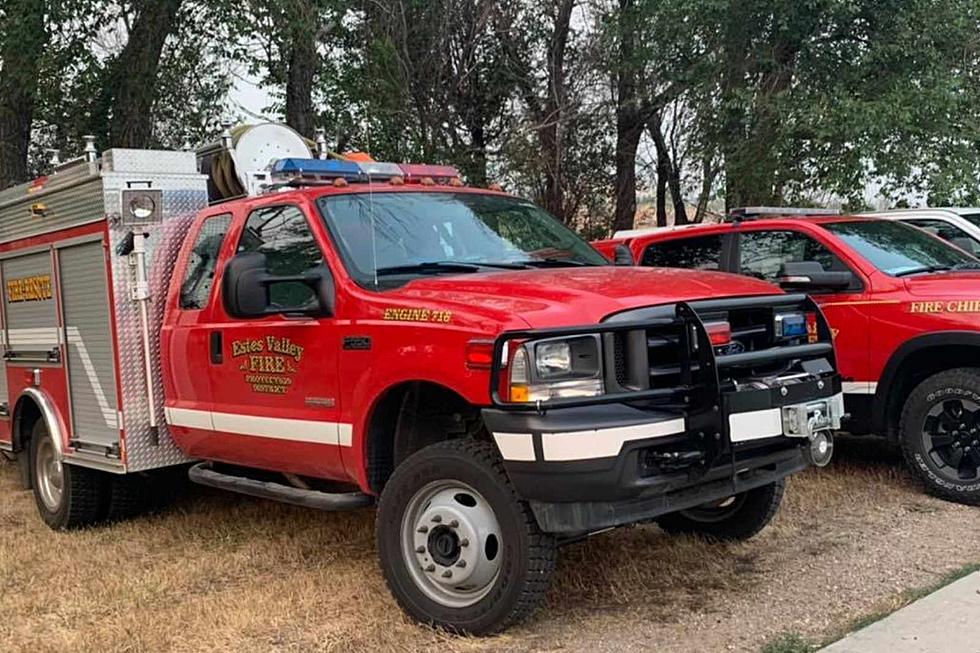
(420, 549)
(430, 568)
(461, 564)
(454, 524)
(436, 518)
(447, 574)
(423, 529)
(464, 542)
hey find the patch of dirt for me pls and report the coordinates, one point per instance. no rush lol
(222, 572)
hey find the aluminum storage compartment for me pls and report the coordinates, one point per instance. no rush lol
(85, 214)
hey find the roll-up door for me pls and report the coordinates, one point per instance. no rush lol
(88, 334)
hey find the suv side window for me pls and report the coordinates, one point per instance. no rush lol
(283, 235)
(701, 253)
(195, 290)
(949, 232)
(762, 253)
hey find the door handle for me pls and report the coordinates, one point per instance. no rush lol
(217, 354)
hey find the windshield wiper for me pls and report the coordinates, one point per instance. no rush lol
(967, 265)
(924, 270)
(428, 267)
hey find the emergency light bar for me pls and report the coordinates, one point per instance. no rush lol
(751, 212)
(330, 169)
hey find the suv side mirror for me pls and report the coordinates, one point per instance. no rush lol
(247, 282)
(810, 276)
(622, 255)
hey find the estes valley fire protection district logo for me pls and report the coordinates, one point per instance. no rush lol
(268, 364)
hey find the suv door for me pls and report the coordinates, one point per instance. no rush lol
(761, 253)
(274, 383)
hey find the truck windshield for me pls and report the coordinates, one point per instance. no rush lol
(900, 249)
(389, 238)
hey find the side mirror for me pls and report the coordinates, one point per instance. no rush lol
(810, 276)
(622, 255)
(248, 282)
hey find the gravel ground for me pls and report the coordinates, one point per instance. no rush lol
(217, 571)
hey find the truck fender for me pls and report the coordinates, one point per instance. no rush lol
(49, 413)
(890, 380)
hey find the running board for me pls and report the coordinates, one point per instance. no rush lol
(202, 474)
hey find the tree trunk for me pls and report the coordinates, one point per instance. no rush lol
(661, 194)
(709, 172)
(301, 67)
(667, 169)
(630, 121)
(551, 118)
(135, 72)
(21, 51)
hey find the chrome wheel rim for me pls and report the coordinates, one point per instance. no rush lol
(951, 439)
(451, 543)
(49, 475)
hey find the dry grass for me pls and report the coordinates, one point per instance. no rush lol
(221, 572)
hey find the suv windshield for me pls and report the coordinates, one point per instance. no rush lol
(900, 249)
(405, 234)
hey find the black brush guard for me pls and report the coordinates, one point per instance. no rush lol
(701, 397)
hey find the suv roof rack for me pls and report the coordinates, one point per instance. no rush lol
(755, 212)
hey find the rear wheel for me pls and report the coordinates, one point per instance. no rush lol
(940, 434)
(67, 496)
(459, 549)
(736, 518)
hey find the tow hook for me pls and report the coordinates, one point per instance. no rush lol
(821, 448)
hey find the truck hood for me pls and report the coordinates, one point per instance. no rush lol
(965, 284)
(575, 296)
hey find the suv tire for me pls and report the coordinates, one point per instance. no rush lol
(738, 518)
(940, 434)
(448, 513)
(67, 496)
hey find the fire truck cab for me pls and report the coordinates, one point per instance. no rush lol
(332, 332)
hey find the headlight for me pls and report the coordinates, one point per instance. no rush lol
(559, 368)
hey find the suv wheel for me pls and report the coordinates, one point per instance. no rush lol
(735, 518)
(940, 434)
(67, 496)
(458, 548)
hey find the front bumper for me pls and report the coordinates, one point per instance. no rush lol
(593, 467)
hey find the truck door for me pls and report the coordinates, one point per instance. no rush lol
(762, 252)
(273, 381)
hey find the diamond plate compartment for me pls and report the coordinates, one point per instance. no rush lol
(183, 196)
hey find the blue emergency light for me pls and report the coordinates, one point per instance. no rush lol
(323, 168)
(791, 325)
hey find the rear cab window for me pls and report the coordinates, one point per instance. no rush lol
(948, 232)
(195, 289)
(899, 249)
(697, 253)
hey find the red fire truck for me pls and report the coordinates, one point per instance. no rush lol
(904, 307)
(327, 331)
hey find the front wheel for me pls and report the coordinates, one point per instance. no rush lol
(458, 547)
(940, 434)
(735, 518)
(67, 496)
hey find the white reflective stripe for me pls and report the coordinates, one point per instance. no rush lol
(190, 418)
(603, 443)
(278, 428)
(755, 425)
(108, 412)
(859, 387)
(40, 336)
(515, 446)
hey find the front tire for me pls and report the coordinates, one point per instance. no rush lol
(458, 547)
(734, 519)
(940, 434)
(67, 496)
